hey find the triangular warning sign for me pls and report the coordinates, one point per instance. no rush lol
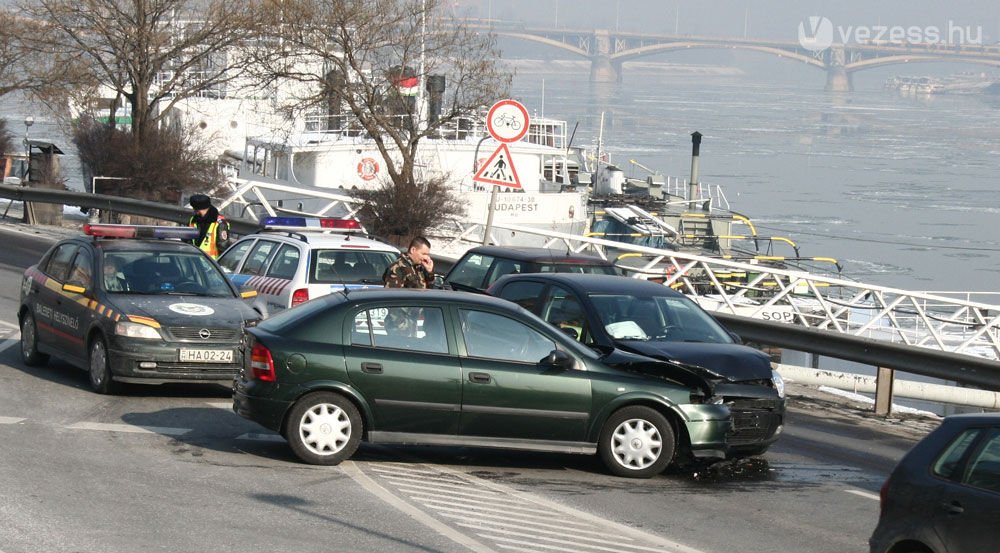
(499, 169)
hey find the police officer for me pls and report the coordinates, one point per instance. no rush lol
(413, 269)
(213, 228)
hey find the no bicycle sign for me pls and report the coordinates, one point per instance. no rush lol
(507, 121)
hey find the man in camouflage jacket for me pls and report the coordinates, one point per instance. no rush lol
(413, 269)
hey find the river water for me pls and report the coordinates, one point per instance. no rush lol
(902, 191)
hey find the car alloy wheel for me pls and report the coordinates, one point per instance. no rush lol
(29, 343)
(100, 370)
(324, 428)
(637, 442)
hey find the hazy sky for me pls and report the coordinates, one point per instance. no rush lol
(777, 19)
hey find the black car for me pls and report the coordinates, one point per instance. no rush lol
(944, 495)
(647, 318)
(453, 368)
(483, 265)
(134, 310)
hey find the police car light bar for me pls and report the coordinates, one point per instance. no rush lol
(307, 223)
(140, 231)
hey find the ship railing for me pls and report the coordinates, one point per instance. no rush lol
(758, 289)
(543, 131)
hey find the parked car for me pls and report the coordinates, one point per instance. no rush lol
(647, 318)
(294, 259)
(129, 309)
(483, 265)
(453, 368)
(944, 495)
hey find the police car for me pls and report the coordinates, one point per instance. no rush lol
(295, 259)
(128, 304)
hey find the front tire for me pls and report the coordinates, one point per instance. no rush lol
(637, 442)
(29, 343)
(324, 428)
(100, 367)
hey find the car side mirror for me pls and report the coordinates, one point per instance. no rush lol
(736, 337)
(438, 283)
(558, 359)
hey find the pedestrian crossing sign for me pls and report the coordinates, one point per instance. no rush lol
(499, 169)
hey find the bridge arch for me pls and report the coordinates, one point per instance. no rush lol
(901, 59)
(544, 40)
(652, 49)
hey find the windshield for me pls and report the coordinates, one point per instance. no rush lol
(349, 266)
(580, 268)
(657, 318)
(175, 273)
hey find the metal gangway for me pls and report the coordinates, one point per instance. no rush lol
(942, 322)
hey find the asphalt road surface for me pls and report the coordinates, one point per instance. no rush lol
(171, 468)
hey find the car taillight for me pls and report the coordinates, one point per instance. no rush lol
(300, 296)
(261, 363)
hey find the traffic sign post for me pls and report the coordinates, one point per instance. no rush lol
(507, 122)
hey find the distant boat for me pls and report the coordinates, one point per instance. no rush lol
(960, 83)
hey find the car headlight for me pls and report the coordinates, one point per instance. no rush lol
(779, 383)
(136, 330)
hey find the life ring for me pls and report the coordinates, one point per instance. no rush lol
(367, 169)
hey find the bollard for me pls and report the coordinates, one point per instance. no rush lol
(883, 392)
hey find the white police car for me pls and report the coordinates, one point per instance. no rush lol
(294, 259)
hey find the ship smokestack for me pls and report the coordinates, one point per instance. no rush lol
(435, 90)
(693, 186)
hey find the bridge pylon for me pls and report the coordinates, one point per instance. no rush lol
(838, 79)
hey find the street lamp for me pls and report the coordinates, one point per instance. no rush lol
(28, 122)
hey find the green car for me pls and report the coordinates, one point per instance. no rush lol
(455, 368)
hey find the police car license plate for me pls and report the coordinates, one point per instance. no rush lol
(207, 355)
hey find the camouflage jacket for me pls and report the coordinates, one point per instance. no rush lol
(404, 273)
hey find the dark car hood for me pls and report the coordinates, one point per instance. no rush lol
(186, 310)
(688, 375)
(734, 362)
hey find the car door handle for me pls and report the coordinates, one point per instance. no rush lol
(479, 378)
(371, 368)
(953, 508)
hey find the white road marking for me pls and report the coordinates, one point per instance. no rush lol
(864, 494)
(351, 469)
(220, 405)
(130, 428)
(9, 325)
(509, 519)
(10, 420)
(7, 344)
(261, 437)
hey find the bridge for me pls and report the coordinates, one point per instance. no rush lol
(608, 50)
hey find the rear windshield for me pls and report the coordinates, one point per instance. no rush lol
(349, 266)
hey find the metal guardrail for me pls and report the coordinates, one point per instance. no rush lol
(177, 214)
(933, 335)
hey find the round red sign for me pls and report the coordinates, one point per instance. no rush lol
(507, 121)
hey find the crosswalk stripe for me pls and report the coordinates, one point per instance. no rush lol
(10, 420)
(130, 428)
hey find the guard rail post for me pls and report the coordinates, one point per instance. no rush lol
(883, 392)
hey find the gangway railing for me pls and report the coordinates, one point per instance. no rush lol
(756, 289)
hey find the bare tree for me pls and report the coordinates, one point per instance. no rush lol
(151, 53)
(358, 60)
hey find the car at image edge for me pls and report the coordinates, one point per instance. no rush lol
(128, 309)
(481, 266)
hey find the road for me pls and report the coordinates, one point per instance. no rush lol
(171, 468)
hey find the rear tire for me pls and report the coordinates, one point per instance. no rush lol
(324, 428)
(29, 342)
(637, 442)
(100, 368)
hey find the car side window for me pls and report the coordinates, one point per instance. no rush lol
(58, 266)
(984, 465)
(81, 271)
(503, 267)
(232, 258)
(471, 271)
(493, 336)
(950, 460)
(285, 262)
(411, 328)
(527, 294)
(563, 310)
(258, 257)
